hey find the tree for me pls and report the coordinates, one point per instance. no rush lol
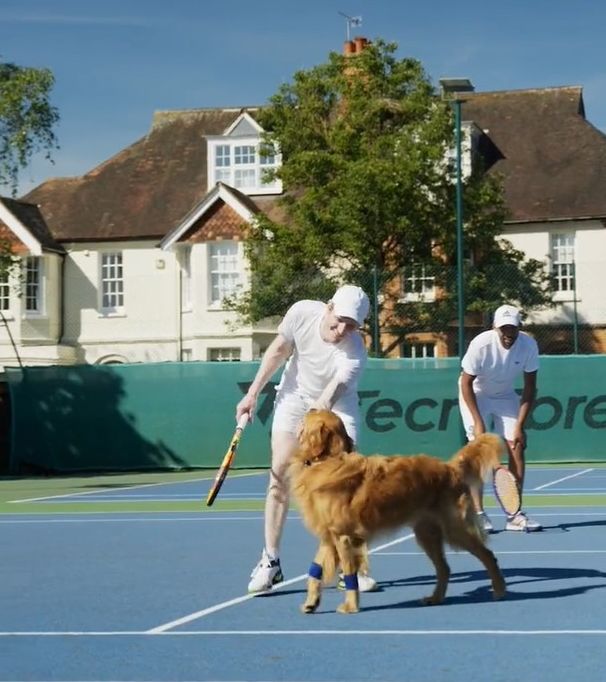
(27, 119)
(369, 198)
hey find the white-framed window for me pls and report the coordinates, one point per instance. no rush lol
(112, 282)
(418, 283)
(5, 292)
(224, 354)
(225, 271)
(184, 255)
(415, 349)
(562, 260)
(33, 285)
(243, 163)
(187, 354)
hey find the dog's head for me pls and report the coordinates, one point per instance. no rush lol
(322, 435)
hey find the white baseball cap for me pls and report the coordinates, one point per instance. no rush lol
(351, 301)
(507, 314)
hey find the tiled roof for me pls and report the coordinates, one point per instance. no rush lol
(30, 217)
(552, 159)
(142, 192)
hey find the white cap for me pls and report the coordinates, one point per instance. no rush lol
(507, 314)
(351, 301)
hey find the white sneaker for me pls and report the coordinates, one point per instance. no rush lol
(485, 521)
(521, 522)
(365, 583)
(266, 574)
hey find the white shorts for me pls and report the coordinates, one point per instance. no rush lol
(290, 408)
(498, 414)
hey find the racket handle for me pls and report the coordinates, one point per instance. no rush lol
(243, 421)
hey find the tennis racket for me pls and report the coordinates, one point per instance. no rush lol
(227, 461)
(506, 490)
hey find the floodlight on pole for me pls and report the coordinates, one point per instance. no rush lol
(453, 88)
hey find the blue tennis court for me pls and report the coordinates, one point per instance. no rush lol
(96, 586)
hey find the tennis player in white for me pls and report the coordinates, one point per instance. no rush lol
(491, 365)
(325, 356)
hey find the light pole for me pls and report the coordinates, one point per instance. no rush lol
(454, 87)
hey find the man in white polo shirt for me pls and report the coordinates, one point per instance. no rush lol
(325, 355)
(487, 399)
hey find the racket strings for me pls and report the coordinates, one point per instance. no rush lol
(507, 490)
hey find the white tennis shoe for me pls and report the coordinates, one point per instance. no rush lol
(265, 575)
(485, 522)
(365, 583)
(521, 522)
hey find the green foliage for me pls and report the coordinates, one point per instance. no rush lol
(365, 143)
(26, 118)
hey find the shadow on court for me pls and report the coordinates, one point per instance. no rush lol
(513, 577)
(579, 524)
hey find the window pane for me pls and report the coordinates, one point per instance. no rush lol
(245, 178)
(223, 175)
(32, 285)
(224, 354)
(562, 259)
(4, 292)
(244, 154)
(417, 350)
(418, 279)
(222, 155)
(224, 270)
(112, 284)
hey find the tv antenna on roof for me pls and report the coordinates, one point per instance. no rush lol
(351, 21)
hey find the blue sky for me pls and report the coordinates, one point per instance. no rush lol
(117, 61)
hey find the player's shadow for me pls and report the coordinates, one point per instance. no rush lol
(577, 524)
(483, 592)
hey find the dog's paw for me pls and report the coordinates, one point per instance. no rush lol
(310, 607)
(347, 608)
(499, 592)
(432, 600)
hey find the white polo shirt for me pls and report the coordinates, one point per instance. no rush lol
(315, 362)
(496, 368)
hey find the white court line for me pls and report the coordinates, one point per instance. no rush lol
(500, 552)
(238, 600)
(210, 477)
(303, 633)
(68, 519)
(101, 517)
(565, 478)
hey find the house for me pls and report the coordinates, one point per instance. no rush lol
(143, 249)
(553, 165)
(130, 262)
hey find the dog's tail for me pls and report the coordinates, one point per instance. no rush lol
(478, 458)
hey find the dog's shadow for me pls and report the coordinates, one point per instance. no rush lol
(482, 593)
(513, 577)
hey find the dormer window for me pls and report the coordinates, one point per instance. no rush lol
(240, 159)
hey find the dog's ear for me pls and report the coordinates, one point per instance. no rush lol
(323, 435)
(337, 439)
(313, 441)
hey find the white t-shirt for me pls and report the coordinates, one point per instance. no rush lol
(315, 362)
(496, 368)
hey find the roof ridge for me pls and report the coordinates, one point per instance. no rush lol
(522, 91)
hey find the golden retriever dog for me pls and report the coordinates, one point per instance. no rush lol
(346, 499)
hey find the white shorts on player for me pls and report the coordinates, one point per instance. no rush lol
(290, 408)
(499, 414)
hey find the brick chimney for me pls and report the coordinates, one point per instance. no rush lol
(355, 46)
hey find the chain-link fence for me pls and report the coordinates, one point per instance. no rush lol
(415, 310)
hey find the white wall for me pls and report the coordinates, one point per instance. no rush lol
(590, 248)
(152, 327)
